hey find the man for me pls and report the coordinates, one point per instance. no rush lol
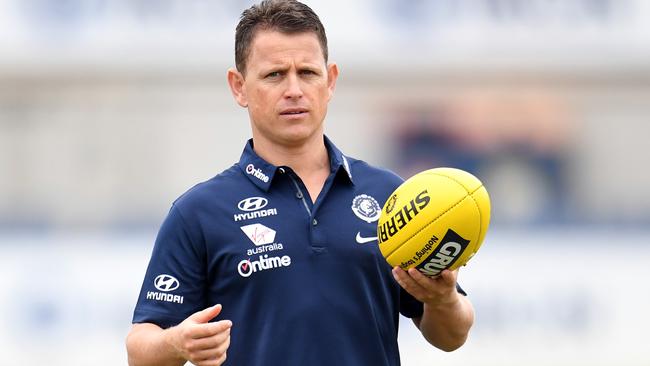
(283, 240)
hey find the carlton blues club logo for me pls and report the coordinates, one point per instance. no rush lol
(366, 208)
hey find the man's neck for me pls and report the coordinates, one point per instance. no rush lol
(309, 160)
(304, 158)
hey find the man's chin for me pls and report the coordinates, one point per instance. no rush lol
(299, 137)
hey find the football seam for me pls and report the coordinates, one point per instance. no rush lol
(469, 194)
(480, 218)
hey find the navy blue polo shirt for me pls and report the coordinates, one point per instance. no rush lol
(303, 282)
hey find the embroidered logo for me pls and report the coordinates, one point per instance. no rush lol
(257, 173)
(366, 208)
(259, 234)
(365, 239)
(252, 203)
(253, 209)
(165, 282)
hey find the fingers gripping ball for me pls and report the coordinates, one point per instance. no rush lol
(435, 220)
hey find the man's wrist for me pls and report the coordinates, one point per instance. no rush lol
(170, 340)
(447, 303)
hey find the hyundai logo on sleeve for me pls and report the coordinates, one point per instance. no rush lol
(166, 283)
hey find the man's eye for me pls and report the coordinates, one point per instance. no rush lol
(308, 72)
(273, 74)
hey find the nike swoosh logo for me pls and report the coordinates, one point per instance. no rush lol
(362, 240)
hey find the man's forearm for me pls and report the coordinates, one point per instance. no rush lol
(446, 326)
(147, 345)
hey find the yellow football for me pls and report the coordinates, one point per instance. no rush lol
(435, 220)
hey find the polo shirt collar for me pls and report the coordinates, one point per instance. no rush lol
(258, 170)
(338, 161)
(261, 173)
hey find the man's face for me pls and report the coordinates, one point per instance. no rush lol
(286, 87)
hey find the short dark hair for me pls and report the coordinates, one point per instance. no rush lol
(285, 16)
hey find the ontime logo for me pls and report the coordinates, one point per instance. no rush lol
(248, 267)
(257, 173)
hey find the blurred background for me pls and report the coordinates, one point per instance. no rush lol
(110, 109)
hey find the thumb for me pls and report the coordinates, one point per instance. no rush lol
(206, 315)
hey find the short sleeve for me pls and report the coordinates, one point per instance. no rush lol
(408, 305)
(412, 308)
(174, 284)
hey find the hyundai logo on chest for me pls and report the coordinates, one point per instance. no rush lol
(253, 208)
(252, 203)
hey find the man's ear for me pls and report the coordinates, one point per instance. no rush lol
(332, 75)
(236, 83)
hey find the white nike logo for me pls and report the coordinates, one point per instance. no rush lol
(362, 240)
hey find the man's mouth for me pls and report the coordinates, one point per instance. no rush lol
(293, 111)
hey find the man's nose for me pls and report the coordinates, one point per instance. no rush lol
(294, 89)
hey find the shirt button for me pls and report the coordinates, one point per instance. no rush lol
(299, 195)
(314, 222)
